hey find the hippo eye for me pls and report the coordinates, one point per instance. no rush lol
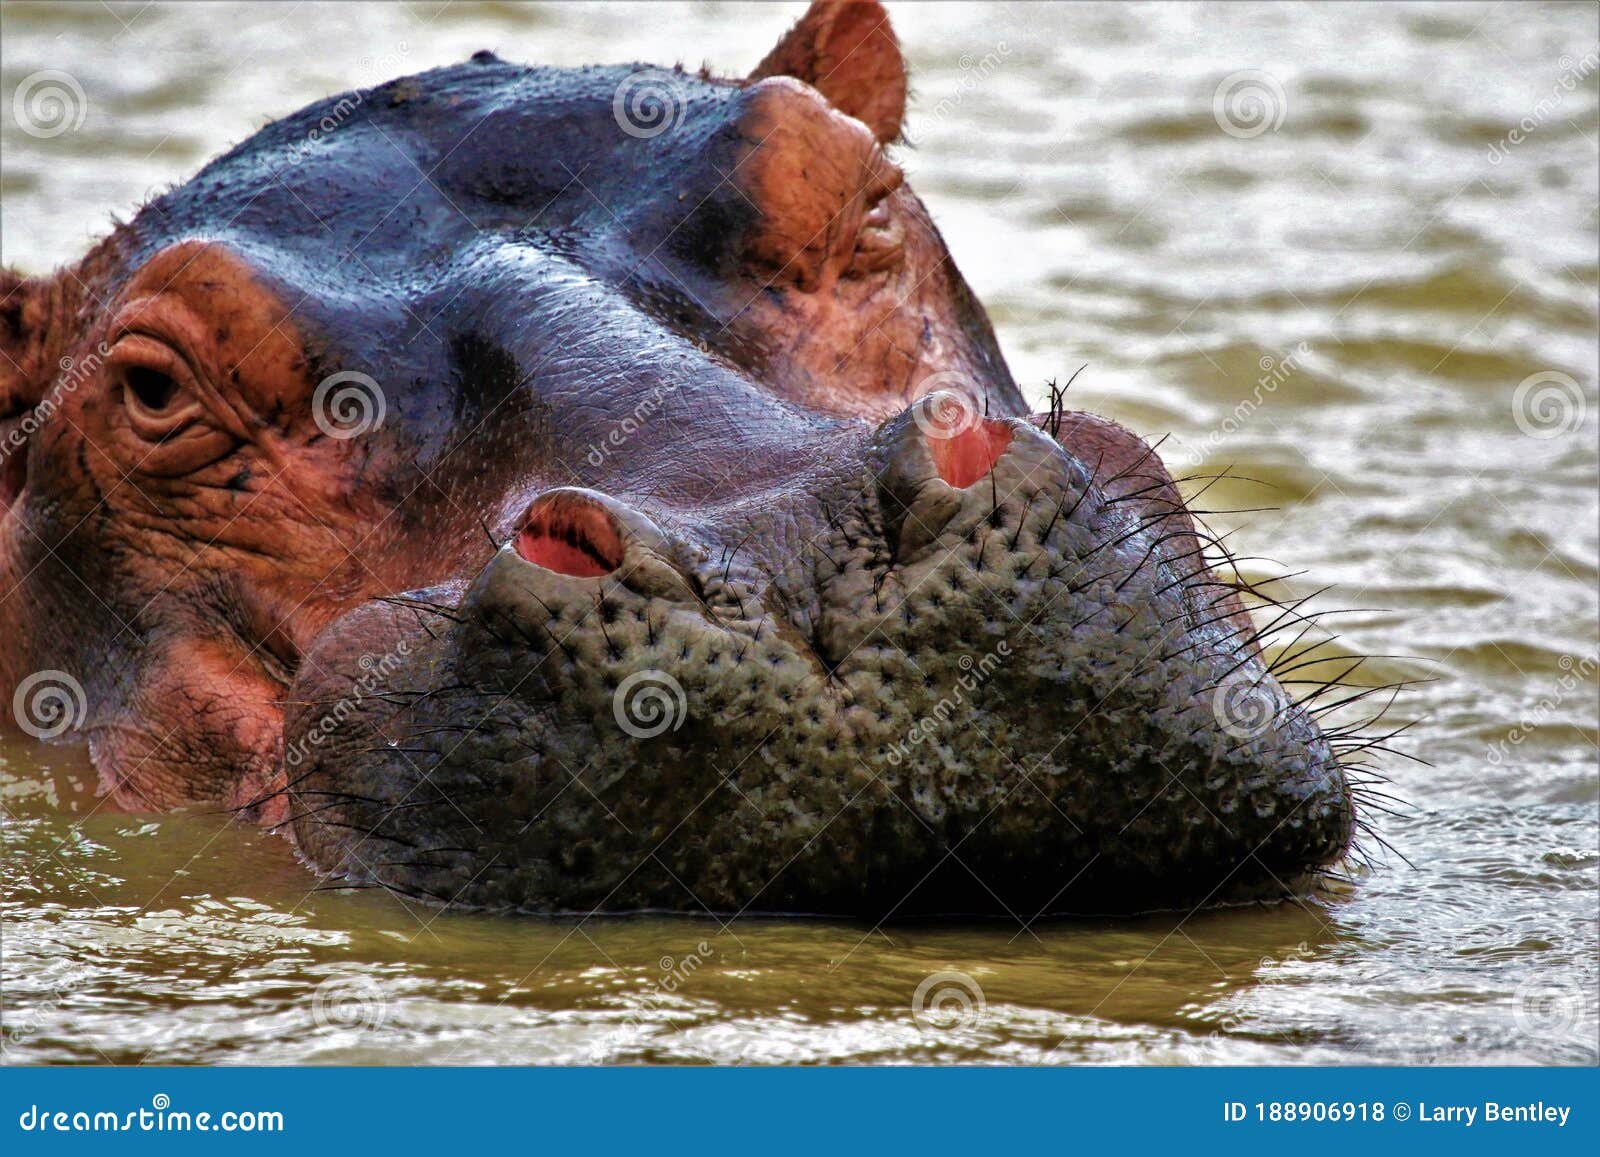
(152, 389)
(153, 382)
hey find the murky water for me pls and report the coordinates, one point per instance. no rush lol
(1339, 297)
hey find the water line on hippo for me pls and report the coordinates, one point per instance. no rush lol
(836, 504)
(510, 590)
(1339, 299)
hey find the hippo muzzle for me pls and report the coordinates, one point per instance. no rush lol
(962, 673)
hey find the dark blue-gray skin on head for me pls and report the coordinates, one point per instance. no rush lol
(597, 489)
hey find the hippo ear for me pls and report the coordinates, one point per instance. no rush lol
(846, 50)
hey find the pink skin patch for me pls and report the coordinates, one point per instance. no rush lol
(971, 452)
(571, 535)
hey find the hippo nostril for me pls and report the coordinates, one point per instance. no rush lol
(970, 450)
(571, 534)
(926, 457)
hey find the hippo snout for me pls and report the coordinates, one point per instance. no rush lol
(982, 669)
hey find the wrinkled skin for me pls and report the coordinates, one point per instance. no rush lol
(705, 555)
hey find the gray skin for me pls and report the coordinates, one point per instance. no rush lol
(707, 556)
(909, 698)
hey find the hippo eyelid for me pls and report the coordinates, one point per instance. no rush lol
(155, 385)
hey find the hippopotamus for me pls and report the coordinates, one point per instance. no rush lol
(597, 490)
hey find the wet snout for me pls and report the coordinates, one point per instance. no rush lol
(978, 682)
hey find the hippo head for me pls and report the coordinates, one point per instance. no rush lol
(597, 489)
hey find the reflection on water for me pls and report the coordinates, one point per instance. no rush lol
(1324, 245)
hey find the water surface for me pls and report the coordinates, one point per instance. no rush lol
(1339, 298)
